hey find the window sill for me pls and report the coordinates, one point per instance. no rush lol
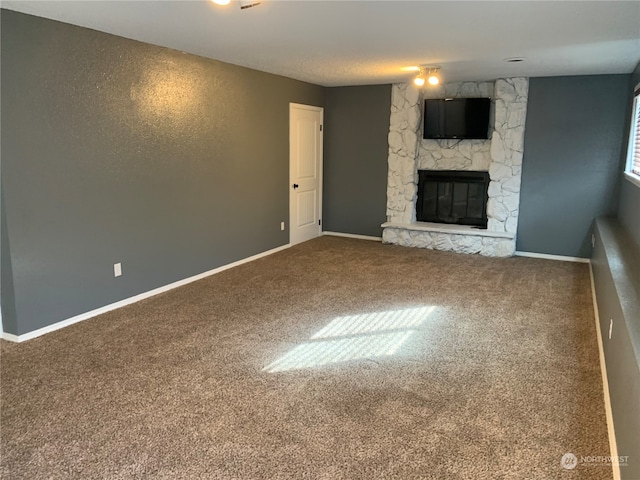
(635, 179)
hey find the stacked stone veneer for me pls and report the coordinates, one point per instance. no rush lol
(501, 156)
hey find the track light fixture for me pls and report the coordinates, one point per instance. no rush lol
(428, 74)
(244, 4)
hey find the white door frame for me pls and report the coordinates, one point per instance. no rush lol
(320, 163)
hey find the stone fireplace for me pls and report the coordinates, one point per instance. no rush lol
(500, 156)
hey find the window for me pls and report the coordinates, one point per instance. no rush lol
(633, 159)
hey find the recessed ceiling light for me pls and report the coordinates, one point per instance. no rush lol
(221, 2)
(514, 59)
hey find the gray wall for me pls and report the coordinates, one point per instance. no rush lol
(629, 209)
(355, 159)
(616, 273)
(6, 275)
(572, 160)
(629, 204)
(119, 151)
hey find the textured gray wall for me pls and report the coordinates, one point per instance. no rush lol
(355, 159)
(629, 209)
(623, 366)
(119, 151)
(6, 275)
(629, 204)
(616, 273)
(572, 160)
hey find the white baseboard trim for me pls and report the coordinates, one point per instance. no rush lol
(605, 383)
(128, 301)
(353, 235)
(10, 337)
(545, 256)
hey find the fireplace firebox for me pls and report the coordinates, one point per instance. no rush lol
(449, 196)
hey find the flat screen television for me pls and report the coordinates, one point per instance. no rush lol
(457, 118)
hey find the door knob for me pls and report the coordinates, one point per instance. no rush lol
(295, 185)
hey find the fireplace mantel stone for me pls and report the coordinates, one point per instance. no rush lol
(501, 156)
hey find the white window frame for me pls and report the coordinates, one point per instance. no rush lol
(633, 138)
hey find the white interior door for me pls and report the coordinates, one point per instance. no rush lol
(305, 172)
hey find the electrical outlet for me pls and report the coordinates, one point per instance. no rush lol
(117, 269)
(610, 327)
(282, 226)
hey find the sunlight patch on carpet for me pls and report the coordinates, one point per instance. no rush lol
(354, 337)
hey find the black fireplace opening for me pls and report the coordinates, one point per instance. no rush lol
(449, 196)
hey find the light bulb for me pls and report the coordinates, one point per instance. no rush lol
(221, 2)
(433, 80)
(419, 80)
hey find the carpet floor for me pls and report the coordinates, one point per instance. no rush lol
(334, 359)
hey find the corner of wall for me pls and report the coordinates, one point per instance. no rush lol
(7, 300)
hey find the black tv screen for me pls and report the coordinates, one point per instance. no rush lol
(456, 118)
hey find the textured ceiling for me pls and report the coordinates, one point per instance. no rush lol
(334, 42)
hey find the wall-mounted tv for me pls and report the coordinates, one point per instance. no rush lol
(457, 118)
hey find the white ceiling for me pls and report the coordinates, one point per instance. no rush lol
(334, 43)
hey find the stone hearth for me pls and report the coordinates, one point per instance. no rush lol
(500, 155)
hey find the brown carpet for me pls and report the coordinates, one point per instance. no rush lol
(335, 359)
